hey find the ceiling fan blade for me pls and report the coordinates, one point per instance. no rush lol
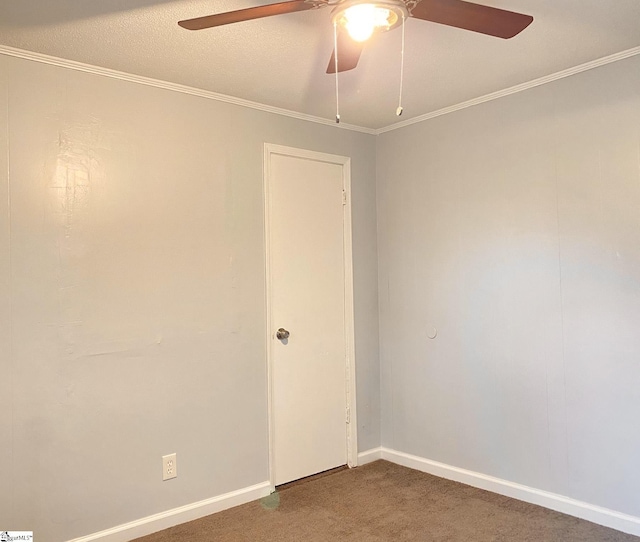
(475, 17)
(349, 52)
(247, 14)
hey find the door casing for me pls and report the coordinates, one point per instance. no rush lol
(350, 359)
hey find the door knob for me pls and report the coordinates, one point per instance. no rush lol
(282, 334)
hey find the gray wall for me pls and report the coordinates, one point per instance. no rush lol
(132, 291)
(513, 228)
(132, 295)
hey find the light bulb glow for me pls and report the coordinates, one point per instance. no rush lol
(362, 19)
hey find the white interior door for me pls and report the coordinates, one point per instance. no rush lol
(309, 369)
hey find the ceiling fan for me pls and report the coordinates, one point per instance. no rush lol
(358, 19)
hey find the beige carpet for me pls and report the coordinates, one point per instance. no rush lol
(385, 502)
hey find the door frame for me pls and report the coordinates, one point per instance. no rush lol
(351, 434)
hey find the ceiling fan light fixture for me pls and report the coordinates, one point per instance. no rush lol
(362, 19)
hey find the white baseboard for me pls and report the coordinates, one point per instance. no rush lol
(170, 518)
(596, 514)
(369, 456)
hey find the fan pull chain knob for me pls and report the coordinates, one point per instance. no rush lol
(335, 60)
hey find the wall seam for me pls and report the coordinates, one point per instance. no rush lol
(10, 311)
(562, 333)
(381, 271)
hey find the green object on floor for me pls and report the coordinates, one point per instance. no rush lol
(271, 502)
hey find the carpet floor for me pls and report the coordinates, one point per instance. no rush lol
(384, 502)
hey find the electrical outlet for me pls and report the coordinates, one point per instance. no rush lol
(169, 467)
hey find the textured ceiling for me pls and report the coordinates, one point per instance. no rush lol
(280, 61)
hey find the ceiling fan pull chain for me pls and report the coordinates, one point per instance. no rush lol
(335, 56)
(399, 110)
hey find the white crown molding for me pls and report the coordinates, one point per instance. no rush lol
(590, 512)
(515, 89)
(177, 516)
(114, 74)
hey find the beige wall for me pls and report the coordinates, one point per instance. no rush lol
(132, 295)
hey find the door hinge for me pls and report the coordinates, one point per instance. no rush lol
(344, 197)
(348, 414)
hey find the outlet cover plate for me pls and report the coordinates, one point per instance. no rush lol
(169, 467)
